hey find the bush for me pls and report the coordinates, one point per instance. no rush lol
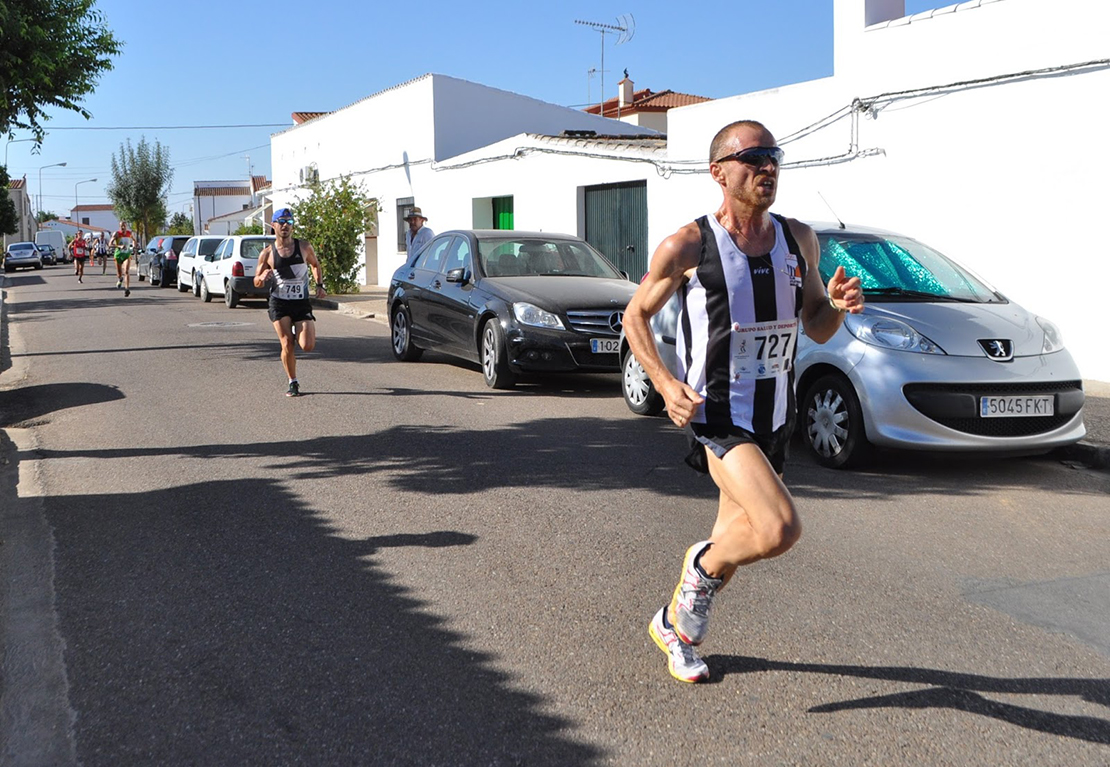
(334, 219)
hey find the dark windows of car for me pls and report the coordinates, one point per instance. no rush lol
(458, 257)
(515, 257)
(900, 267)
(431, 257)
(208, 247)
(252, 248)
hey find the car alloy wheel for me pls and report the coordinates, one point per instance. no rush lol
(196, 284)
(639, 392)
(833, 423)
(401, 333)
(205, 296)
(495, 366)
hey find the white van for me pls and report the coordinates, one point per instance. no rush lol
(58, 240)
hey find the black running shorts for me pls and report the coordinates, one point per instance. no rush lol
(299, 311)
(721, 439)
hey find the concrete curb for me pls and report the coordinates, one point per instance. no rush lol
(361, 310)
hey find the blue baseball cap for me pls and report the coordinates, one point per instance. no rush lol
(282, 213)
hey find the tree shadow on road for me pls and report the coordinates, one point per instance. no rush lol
(28, 405)
(251, 633)
(955, 691)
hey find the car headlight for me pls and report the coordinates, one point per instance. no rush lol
(1053, 338)
(889, 333)
(530, 314)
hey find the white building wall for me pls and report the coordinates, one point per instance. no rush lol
(103, 219)
(970, 170)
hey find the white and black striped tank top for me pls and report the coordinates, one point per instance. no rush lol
(290, 274)
(738, 329)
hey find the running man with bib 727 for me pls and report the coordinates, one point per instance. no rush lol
(286, 264)
(745, 277)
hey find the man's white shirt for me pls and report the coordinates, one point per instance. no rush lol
(413, 243)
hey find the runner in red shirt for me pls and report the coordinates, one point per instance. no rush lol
(80, 255)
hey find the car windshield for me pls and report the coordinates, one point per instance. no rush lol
(208, 247)
(252, 247)
(517, 257)
(898, 267)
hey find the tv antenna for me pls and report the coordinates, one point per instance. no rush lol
(625, 28)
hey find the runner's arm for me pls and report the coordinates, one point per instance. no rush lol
(262, 272)
(673, 259)
(314, 264)
(820, 318)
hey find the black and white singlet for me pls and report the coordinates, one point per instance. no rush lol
(290, 281)
(738, 329)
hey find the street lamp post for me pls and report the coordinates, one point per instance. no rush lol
(75, 206)
(10, 142)
(55, 165)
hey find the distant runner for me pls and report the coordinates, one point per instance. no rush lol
(80, 255)
(124, 243)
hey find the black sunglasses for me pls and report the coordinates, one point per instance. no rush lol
(283, 221)
(756, 156)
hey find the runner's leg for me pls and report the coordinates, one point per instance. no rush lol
(284, 328)
(756, 517)
(306, 335)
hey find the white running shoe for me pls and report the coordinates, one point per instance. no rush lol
(693, 597)
(682, 661)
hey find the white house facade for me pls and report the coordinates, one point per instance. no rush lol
(25, 218)
(976, 128)
(97, 215)
(212, 199)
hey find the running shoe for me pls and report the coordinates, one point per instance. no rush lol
(682, 661)
(294, 389)
(119, 283)
(693, 597)
(126, 292)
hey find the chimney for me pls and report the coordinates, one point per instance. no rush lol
(625, 87)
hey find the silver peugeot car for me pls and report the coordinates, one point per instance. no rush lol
(938, 360)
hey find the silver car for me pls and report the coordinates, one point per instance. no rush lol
(938, 360)
(22, 255)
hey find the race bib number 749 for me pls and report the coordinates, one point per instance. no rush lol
(763, 349)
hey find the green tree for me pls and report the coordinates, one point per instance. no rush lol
(45, 215)
(180, 224)
(334, 219)
(52, 53)
(9, 219)
(249, 229)
(141, 177)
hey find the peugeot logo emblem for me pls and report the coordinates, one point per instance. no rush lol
(616, 321)
(1001, 350)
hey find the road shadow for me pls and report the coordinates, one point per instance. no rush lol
(951, 690)
(29, 405)
(586, 454)
(226, 623)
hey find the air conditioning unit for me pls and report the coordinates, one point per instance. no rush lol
(309, 175)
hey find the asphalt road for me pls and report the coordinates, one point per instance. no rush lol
(403, 567)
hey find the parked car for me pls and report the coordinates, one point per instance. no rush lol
(158, 260)
(22, 255)
(145, 256)
(516, 302)
(229, 272)
(49, 257)
(190, 259)
(939, 360)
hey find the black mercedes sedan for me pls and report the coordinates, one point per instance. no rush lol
(515, 302)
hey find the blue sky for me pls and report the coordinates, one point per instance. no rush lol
(242, 62)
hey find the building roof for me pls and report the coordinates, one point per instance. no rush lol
(303, 117)
(92, 208)
(17, 183)
(259, 182)
(221, 191)
(646, 100)
(233, 215)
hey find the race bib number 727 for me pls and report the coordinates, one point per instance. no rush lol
(763, 349)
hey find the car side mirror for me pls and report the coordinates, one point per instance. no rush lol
(625, 275)
(457, 275)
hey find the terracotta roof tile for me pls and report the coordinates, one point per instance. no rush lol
(17, 183)
(646, 101)
(221, 191)
(303, 117)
